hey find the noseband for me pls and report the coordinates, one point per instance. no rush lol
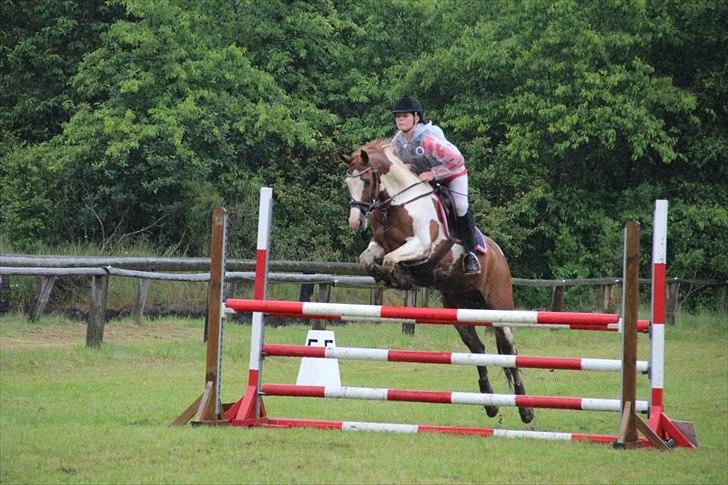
(366, 207)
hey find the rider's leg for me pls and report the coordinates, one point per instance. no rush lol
(466, 227)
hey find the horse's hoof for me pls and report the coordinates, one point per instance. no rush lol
(491, 411)
(526, 414)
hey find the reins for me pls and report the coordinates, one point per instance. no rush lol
(374, 204)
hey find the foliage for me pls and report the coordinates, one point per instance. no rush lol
(42, 42)
(130, 120)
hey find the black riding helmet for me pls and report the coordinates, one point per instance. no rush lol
(408, 104)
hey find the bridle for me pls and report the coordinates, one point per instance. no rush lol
(374, 204)
(365, 207)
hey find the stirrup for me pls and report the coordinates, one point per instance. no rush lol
(471, 265)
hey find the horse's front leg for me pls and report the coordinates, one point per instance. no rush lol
(372, 255)
(412, 250)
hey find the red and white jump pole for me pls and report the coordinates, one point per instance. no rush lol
(420, 428)
(249, 409)
(448, 397)
(642, 325)
(681, 432)
(657, 328)
(455, 358)
(446, 316)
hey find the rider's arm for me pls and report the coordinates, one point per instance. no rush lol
(446, 159)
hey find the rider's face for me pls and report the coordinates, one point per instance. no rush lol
(405, 121)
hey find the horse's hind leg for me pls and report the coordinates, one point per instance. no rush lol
(471, 339)
(504, 342)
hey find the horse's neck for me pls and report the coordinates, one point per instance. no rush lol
(399, 178)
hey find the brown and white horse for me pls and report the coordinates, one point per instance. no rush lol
(410, 247)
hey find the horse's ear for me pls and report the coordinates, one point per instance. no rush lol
(364, 157)
(345, 158)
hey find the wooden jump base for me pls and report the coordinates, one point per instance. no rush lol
(249, 410)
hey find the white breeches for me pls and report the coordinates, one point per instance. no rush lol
(459, 188)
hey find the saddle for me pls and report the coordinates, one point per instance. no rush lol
(422, 270)
(448, 218)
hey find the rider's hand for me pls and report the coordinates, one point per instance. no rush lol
(427, 176)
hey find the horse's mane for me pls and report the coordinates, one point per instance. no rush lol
(383, 147)
(377, 145)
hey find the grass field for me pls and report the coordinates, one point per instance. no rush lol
(70, 414)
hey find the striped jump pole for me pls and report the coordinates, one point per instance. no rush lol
(249, 409)
(448, 397)
(681, 433)
(643, 326)
(455, 358)
(421, 315)
(452, 430)
(657, 330)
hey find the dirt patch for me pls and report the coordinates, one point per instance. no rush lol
(130, 332)
(71, 335)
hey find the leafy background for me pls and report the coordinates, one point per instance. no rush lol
(124, 122)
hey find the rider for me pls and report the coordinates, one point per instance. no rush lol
(424, 148)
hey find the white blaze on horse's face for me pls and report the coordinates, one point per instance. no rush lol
(355, 184)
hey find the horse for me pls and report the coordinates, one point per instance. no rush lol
(409, 246)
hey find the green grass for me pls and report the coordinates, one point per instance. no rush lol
(72, 414)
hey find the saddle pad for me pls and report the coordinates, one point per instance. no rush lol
(481, 247)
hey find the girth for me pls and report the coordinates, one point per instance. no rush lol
(425, 269)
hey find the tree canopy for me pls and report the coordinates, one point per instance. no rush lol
(129, 120)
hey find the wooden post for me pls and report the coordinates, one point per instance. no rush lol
(141, 300)
(377, 296)
(44, 293)
(410, 299)
(207, 408)
(424, 297)
(97, 313)
(557, 299)
(306, 292)
(4, 293)
(671, 302)
(611, 298)
(229, 289)
(323, 296)
(631, 422)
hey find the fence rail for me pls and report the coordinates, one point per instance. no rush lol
(311, 275)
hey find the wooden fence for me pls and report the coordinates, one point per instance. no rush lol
(313, 276)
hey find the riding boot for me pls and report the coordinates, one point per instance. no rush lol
(466, 228)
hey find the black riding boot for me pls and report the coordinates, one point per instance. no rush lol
(466, 228)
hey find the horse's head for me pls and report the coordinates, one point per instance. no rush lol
(362, 182)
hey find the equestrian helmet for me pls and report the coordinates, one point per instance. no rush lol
(408, 104)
